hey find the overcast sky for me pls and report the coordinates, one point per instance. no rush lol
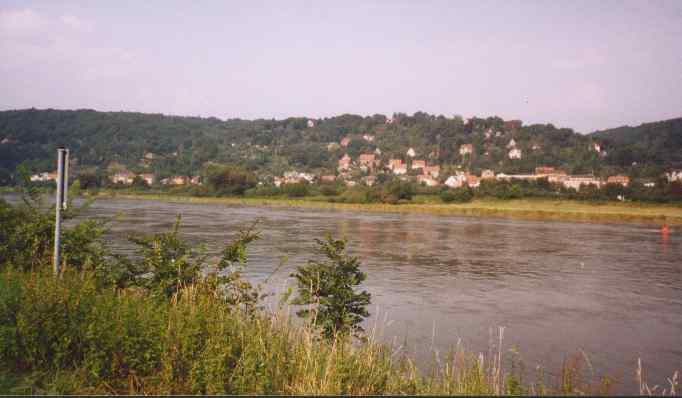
(585, 65)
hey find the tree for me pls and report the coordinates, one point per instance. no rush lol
(328, 289)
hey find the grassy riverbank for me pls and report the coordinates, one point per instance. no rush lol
(530, 209)
(67, 336)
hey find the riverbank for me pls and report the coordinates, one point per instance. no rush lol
(528, 209)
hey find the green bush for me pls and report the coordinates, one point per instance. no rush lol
(296, 190)
(458, 195)
(329, 286)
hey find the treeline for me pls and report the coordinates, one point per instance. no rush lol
(171, 145)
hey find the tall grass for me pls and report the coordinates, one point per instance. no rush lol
(67, 336)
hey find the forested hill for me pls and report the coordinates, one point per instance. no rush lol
(658, 142)
(168, 145)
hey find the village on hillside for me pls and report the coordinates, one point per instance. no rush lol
(369, 168)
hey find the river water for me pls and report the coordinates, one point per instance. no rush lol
(612, 291)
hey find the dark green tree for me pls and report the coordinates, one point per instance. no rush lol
(327, 288)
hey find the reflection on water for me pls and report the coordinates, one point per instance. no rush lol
(614, 291)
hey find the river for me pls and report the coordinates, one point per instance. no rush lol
(612, 291)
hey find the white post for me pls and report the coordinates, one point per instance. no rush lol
(60, 202)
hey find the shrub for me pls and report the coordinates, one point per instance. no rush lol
(296, 190)
(458, 195)
(328, 287)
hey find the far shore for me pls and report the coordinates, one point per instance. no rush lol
(528, 209)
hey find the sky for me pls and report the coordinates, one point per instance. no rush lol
(586, 65)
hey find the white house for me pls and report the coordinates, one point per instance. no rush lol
(411, 153)
(44, 176)
(456, 181)
(674, 175)
(466, 149)
(515, 153)
(311, 123)
(512, 144)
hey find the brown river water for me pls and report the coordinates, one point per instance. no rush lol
(612, 291)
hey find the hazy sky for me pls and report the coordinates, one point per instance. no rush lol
(586, 65)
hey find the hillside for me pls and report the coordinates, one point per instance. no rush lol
(657, 143)
(167, 145)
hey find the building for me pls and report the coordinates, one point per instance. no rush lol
(176, 180)
(545, 170)
(400, 169)
(433, 171)
(123, 177)
(466, 149)
(418, 164)
(411, 153)
(344, 162)
(618, 179)
(487, 174)
(368, 160)
(512, 144)
(427, 180)
(674, 175)
(368, 137)
(473, 181)
(596, 147)
(345, 141)
(148, 178)
(576, 182)
(44, 176)
(377, 151)
(456, 181)
(515, 154)
(196, 180)
(311, 123)
(512, 125)
(328, 178)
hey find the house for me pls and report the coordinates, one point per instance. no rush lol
(473, 181)
(292, 177)
(148, 178)
(487, 174)
(427, 180)
(401, 169)
(512, 125)
(177, 180)
(345, 141)
(196, 180)
(368, 137)
(418, 164)
(618, 179)
(351, 183)
(369, 180)
(377, 151)
(344, 162)
(545, 170)
(328, 178)
(433, 171)
(8, 141)
(368, 160)
(411, 153)
(536, 147)
(466, 149)
(311, 123)
(44, 176)
(456, 181)
(389, 120)
(123, 177)
(576, 182)
(394, 163)
(674, 175)
(512, 144)
(515, 154)
(596, 147)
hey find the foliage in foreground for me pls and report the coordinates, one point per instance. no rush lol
(70, 336)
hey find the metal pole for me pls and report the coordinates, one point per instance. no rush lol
(61, 155)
